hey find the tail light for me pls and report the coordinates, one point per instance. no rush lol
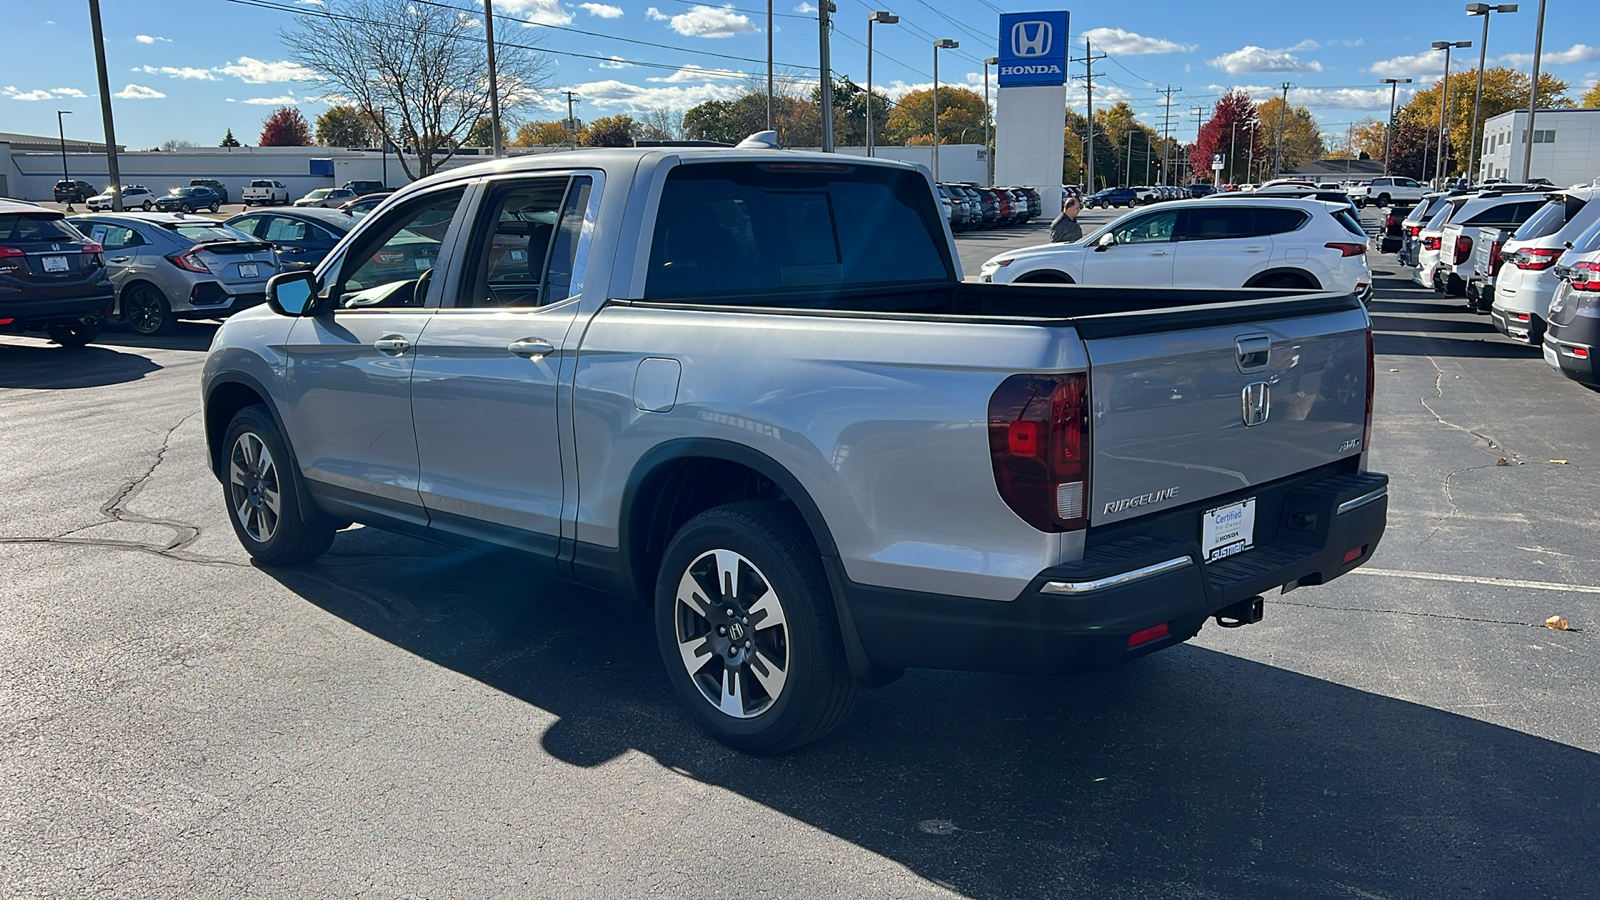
(1390, 221)
(1586, 276)
(1372, 376)
(12, 259)
(1431, 243)
(1463, 249)
(1039, 445)
(1495, 259)
(1344, 249)
(11, 251)
(189, 261)
(93, 247)
(1413, 230)
(1537, 259)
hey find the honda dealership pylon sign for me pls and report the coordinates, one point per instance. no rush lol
(1031, 106)
(1033, 49)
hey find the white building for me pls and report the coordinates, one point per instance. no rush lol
(1566, 146)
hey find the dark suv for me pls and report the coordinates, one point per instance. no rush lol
(215, 185)
(189, 199)
(52, 278)
(75, 190)
(1117, 196)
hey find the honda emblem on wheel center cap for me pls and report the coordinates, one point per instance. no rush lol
(735, 632)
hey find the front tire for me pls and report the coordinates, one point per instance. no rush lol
(1383, 199)
(77, 335)
(260, 485)
(147, 206)
(746, 626)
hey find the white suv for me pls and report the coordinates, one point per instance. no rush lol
(1528, 279)
(1384, 191)
(1219, 242)
(1490, 209)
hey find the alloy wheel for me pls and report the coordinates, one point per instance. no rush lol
(253, 487)
(143, 312)
(732, 634)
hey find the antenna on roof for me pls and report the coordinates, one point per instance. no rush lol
(761, 140)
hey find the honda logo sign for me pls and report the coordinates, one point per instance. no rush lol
(1033, 49)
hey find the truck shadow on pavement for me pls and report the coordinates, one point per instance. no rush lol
(1190, 773)
(41, 366)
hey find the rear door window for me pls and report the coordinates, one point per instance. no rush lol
(730, 232)
(1219, 223)
(32, 228)
(1348, 220)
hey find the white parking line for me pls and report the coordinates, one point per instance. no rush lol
(1472, 579)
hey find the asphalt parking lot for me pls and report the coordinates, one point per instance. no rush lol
(403, 719)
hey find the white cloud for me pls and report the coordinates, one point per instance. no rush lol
(1104, 95)
(706, 22)
(68, 92)
(285, 100)
(1251, 58)
(621, 95)
(139, 92)
(149, 39)
(616, 62)
(1376, 98)
(693, 73)
(14, 94)
(309, 2)
(603, 10)
(255, 71)
(535, 12)
(805, 9)
(1303, 46)
(178, 72)
(1115, 40)
(1577, 53)
(1426, 63)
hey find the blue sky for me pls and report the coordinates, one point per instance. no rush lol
(189, 69)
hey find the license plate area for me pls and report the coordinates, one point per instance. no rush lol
(1226, 530)
(55, 264)
(249, 270)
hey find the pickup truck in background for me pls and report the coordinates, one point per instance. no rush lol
(750, 387)
(265, 192)
(1386, 190)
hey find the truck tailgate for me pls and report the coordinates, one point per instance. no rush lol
(1204, 410)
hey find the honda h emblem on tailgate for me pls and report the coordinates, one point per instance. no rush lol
(1257, 399)
(1031, 38)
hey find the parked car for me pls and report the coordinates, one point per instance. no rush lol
(212, 183)
(1112, 197)
(794, 545)
(134, 196)
(1200, 189)
(167, 266)
(1572, 334)
(1281, 183)
(988, 205)
(326, 198)
(1386, 190)
(1487, 263)
(189, 199)
(265, 192)
(1215, 242)
(1416, 220)
(364, 204)
(1528, 280)
(1004, 207)
(1392, 236)
(74, 190)
(52, 278)
(1487, 209)
(365, 187)
(1148, 194)
(968, 210)
(1430, 242)
(301, 237)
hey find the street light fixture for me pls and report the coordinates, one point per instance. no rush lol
(1444, 107)
(62, 134)
(1481, 9)
(988, 146)
(877, 18)
(940, 44)
(1388, 131)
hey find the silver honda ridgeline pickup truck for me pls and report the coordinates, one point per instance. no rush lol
(750, 387)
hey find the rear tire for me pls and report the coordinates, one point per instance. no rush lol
(147, 206)
(146, 311)
(1383, 199)
(261, 487)
(746, 626)
(72, 336)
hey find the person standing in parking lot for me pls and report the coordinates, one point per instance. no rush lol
(1065, 229)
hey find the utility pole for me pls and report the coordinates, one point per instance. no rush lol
(1533, 93)
(61, 133)
(769, 64)
(1127, 173)
(1166, 130)
(988, 146)
(884, 18)
(494, 85)
(824, 27)
(1250, 159)
(105, 105)
(1283, 119)
(572, 124)
(1088, 60)
(1388, 131)
(1198, 112)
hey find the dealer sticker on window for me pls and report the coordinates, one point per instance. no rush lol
(1227, 530)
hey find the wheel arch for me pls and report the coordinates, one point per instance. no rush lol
(1044, 276)
(138, 282)
(223, 400)
(1306, 279)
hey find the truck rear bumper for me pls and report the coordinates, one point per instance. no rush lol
(1130, 596)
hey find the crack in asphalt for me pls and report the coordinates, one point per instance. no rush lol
(1512, 456)
(1420, 615)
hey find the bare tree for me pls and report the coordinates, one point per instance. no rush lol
(424, 63)
(661, 124)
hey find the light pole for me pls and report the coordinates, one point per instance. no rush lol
(1533, 95)
(1388, 131)
(1250, 164)
(383, 143)
(1481, 9)
(1444, 107)
(496, 144)
(62, 134)
(824, 34)
(988, 146)
(877, 18)
(769, 65)
(940, 44)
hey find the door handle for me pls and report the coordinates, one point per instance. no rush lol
(392, 344)
(1158, 253)
(120, 259)
(531, 348)
(1255, 249)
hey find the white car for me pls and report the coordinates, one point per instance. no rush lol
(1386, 190)
(265, 192)
(134, 196)
(1428, 242)
(1214, 242)
(1488, 209)
(1528, 279)
(327, 198)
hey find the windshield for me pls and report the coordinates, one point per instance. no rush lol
(181, 192)
(206, 232)
(318, 194)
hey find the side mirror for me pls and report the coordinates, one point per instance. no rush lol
(292, 293)
(1105, 242)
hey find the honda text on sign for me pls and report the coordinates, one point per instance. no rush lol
(1033, 49)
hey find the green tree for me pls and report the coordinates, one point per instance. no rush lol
(482, 133)
(1503, 90)
(1591, 97)
(343, 126)
(609, 131)
(1302, 139)
(796, 120)
(960, 117)
(286, 127)
(228, 140)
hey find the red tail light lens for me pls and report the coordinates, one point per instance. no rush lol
(93, 247)
(189, 261)
(1039, 445)
(1146, 635)
(1413, 230)
(1586, 276)
(1347, 249)
(1495, 259)
(1431, 243)
(11, 251)
(1463, 249)
(1372, 375)
(1537, 259)
(1390, 221)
